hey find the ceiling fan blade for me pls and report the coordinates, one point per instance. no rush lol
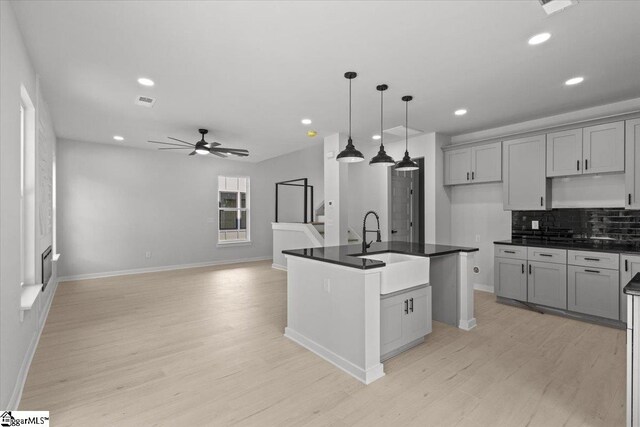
(168, 143)
(240, 154)
(179, 140)
(218, 154)
(193, 153)
(229, 150)
(214, 144)
(175, 148)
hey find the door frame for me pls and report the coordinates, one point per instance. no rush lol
(417, 198)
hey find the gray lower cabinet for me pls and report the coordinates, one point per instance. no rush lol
(404, 318)
(511, 278)
(547, 284)
(593, 291)
(629, 267)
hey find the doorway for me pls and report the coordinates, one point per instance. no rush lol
(407, 205)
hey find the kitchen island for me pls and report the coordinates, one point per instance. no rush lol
(356, 307)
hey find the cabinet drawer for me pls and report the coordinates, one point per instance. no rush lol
(593, 259)
(508, 251)
(557, 256)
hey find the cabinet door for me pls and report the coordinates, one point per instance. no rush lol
(564, 153)
(524, 183)
(392, 313)
(510, 278)
(629, 267)
(603, 148)
(547, 284)
(632, 164)
(417, 323)
(486, 163)
(594, 292)
(457, 166)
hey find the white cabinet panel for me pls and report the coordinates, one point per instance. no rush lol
(564, 153)
(457, 166)
(486, 163)
(391, 315)
(603, 148)
(632, 164)
(629, 267)
(525, 185)
(418, 321)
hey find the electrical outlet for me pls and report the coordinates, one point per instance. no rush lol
(535, 225)
(147, 254)
(477, 237)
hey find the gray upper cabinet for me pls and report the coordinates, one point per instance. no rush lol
(457, 166)
(603, 148)
(632, 164)
(476, 164)
(564, 153)
(547, 284)
(525, 185)
(629, 267)
(593, 291)
(510, 278)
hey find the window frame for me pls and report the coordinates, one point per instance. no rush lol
(238, 209)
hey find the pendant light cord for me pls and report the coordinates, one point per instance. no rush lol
(406, 127)
(381, 118)
(350, 108)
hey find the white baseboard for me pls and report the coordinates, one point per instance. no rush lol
(158, 269)
(483, 288)
(365, 376)
(467, 325)
(279, 267)
(16, 395)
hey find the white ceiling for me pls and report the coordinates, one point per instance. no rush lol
(249, 71)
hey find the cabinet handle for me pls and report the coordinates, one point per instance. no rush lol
(467, 176)
(629, 199)
(592, 259)
(522, 268)
(577, 165)
(509, 252)
(406, 306)
(411, 305)
(586, 164)
(592, 271)
(473, 175)
(541, 201)
(529, 268)
(626, 265)
(549, 255)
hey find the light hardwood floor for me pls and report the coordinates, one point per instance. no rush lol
(205, 347)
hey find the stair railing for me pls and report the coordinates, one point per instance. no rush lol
(307, 208)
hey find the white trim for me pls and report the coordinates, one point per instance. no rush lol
(279, 267)
(365, 376)
(483, 288)
(16, 395)
(467, 325)
(158, 269)
(312, 233)
(599, 112)
(234, 243)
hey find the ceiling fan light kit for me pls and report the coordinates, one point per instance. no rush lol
(202, 147)
(350, 154)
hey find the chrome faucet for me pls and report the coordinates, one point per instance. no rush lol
(366, 245)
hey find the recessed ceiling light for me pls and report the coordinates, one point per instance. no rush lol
(460, 112)
(118, 138)
(539, 38)
(145, 81)
(375, 137)
(305, 121)
(574, 81)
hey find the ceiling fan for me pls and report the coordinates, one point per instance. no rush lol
(202, 147)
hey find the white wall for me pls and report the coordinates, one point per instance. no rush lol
(18, 338)
(476, 211)
(116, 203)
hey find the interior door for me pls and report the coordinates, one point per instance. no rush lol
(401, 212)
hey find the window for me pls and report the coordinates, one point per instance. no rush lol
(233, 209)
(27, 190)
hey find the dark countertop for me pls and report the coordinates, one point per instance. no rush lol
(633, 287)
(346, 255)
(614, 246)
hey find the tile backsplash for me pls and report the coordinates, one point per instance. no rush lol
(616, 223)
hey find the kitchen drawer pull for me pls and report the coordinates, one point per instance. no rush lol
(467, 176)
(592, 271)
(473, 175)
(586, 164)
(411, 305)
(509, 252)
(549, 255)
(592, 259)
(406, 306)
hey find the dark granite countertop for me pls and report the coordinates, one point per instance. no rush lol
(614, 246)
(633, 287)
(347, 255)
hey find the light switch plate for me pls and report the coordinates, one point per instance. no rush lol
(535, 225)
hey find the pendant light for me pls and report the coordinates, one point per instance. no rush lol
(350, 154)
(382, 158)
(406, 164)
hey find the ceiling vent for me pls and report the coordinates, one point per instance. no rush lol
(145, 101)
(553, 6)
(397, 133)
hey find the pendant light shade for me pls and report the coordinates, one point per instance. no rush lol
(406, 164)
(382, 158)
(350, 154)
